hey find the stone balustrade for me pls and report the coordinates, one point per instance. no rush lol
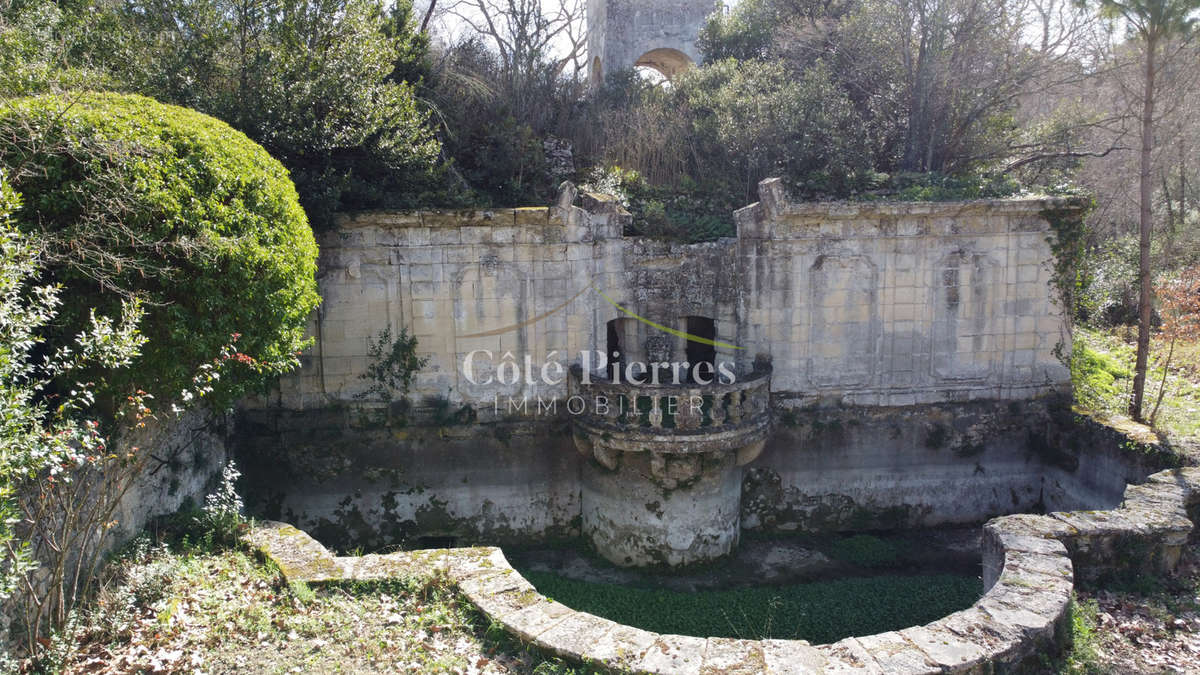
(679, 447)
(670, 418)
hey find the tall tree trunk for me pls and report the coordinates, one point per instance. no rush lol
(428, 16)
(1145, 222)
(1179, 224)
(1169, 242)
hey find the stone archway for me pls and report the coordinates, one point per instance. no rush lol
(658, 34)
(669, 62)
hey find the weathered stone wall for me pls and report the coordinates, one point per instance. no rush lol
(443, 276)
(187, 453)
(355, 479)
(861, 304)
(864, 468)
(888, 326)
(901, 304)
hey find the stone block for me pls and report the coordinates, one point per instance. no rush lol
(573, 637)
(621, 648)
(733, 657)
(792, 657)
(474, 235)
(530, 622)
(848, 656)
(1053, 565)
(531, 217)
(1029, 615)
(499, 592)
(439, 236)
(675, 654)
(951, 653)
(465, 563)
(501, 236)
(895, 654)
(300, 558)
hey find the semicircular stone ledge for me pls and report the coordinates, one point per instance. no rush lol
(1029, 566)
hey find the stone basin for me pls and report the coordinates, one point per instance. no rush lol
(1030, 563)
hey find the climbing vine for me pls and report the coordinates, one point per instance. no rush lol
(1068, 226)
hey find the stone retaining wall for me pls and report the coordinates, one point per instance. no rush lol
(868, 304)
(1029, 564)
(887, 326)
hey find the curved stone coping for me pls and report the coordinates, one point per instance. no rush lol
(1028, 580)
(668, 441)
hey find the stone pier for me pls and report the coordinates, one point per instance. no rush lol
(662, 477)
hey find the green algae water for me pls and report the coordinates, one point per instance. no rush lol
(819, 611)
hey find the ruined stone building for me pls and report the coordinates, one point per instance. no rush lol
(892, 364)
(659, 34)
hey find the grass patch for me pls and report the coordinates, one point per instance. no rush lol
(1084, 656)
(819, 612)
(182, 607)
(1102, 373)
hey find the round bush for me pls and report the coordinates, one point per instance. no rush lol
(134, 198)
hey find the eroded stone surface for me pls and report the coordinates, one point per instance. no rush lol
(622, 647)
(896, 654)
(537, 618)
(793, 657)
(573, 636)
(674, 654)
(947, 651)
(735, 657)
(298, 556)
(848, 656)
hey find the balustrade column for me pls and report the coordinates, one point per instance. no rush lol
(735, 407)
(718, 410)
(656, 413)
(688, 416)
(613, 414)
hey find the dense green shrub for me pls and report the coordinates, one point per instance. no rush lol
(937, 187)
(744, 33)
(1101, 381)
(495, 122)
(131, 198)
(692, 153)
(1110, 294)
(752, 120)
(32, 37)
(688, 213)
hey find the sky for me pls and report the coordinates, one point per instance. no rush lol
(448, 27)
